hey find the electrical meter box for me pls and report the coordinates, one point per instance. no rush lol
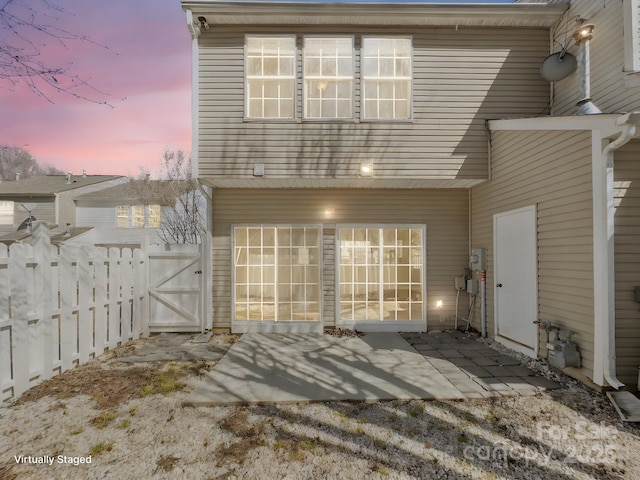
(478, 259)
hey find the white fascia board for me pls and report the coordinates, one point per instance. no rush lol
(607, 124)
(375, 13)
(194, 28)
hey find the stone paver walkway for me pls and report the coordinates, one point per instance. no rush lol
(176, 347)
(476, 369)
(472, 368)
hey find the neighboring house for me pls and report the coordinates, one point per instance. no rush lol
(357, 153)
(49, 198)
(128, 214)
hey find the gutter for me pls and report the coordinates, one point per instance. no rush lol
(267, 12)
(604, 260)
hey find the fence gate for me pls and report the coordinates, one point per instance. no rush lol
(175, 288)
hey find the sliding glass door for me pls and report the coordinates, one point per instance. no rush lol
(381, 273)
(277, 273)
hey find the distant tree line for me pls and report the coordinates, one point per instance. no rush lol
(17, 160)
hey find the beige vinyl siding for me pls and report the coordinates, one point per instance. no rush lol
(444, 212)
(221, 299)
(627, 260)
(44, 211)
(460, 79)
(329, 275)
(608, 88)
(551, 170)
(67, 206)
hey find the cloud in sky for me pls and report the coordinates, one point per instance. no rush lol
(145, 68)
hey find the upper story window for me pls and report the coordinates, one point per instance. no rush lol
(632, 35)
(270, 66)
(328, 77)
(138, 216)
(6, 212)
(386, 78)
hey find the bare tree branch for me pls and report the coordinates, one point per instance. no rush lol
(183, 211)
(27, 27)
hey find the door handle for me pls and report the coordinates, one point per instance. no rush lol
(198, 272)
(499, 285)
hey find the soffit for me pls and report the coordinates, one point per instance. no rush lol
(373, 13)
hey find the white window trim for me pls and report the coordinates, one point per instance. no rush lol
(363, 117)
(247, 118)
(352, 117)
(130, 216)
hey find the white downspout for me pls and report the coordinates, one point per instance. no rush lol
(603, 253)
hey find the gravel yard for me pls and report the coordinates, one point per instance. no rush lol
(127, 420)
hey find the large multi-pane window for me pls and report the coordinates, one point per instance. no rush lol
(138, 216)
(270, 76)
(386, 78)
(277, 273)
(6, 212)
(328, 77)
(381, 273)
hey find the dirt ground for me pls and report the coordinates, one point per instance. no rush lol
(127, 420)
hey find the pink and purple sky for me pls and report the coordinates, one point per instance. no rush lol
(146, 71)
(144, 67)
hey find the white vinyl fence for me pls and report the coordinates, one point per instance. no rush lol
(60, 307)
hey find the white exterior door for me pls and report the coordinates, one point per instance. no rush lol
(175, 288)
(516, 278)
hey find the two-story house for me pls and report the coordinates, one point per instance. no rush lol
(358, 152)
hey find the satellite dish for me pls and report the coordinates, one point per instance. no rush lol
(27, 223)
(558, 66)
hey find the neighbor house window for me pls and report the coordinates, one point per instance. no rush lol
(328, 77)
(6, 212)
(138, 216)
(270, 67)
(381, 273)
(386, 78)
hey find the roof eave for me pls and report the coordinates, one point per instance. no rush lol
(372, 13)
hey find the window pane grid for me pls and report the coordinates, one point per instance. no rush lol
(328, 77)
(381, 280)
(138, 216)
(386, 77)
(270, 77)
(279, 278)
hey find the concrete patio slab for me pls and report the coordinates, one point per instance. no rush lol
(286, 368)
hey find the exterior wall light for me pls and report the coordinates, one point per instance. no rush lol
(585, 32)
(366, 169)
